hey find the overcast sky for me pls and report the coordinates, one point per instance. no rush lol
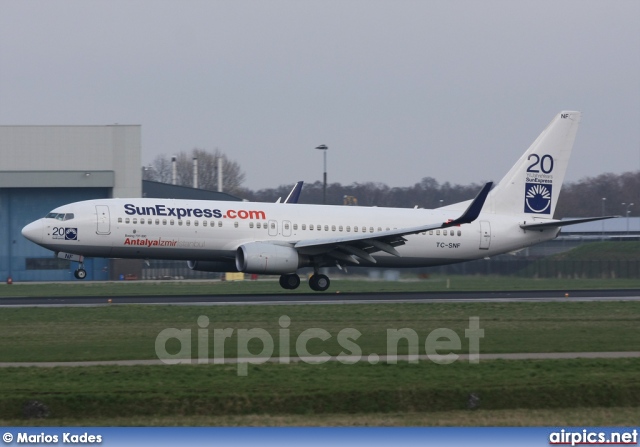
(398, 90)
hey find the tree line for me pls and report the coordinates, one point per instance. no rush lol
(577, 199)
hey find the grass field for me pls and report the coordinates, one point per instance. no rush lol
(130, 332)
(602, 251)
(547, 392)
(330, 388)
(304, 394)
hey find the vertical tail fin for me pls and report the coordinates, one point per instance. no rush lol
(532, 186)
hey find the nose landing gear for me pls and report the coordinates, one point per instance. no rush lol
(80, 272)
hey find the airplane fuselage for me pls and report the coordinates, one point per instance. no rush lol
(208, 230)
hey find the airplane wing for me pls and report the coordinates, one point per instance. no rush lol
(561, 223)
(294, 195)
(349, 248)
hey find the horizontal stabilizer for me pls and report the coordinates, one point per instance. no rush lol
(562, 223)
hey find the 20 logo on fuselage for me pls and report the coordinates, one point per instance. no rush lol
(66, 233)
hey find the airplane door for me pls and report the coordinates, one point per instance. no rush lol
(286, 228)
(104, 221)
(485, 235)
(273, 228)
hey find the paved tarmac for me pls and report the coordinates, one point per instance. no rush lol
(334, 297)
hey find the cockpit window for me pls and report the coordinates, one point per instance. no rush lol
(60, 216)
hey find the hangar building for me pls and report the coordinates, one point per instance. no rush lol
(44, 167)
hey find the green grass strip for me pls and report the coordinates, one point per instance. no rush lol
(98, 392)
(130, 332)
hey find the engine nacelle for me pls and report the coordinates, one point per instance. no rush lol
(263, 257)
(212, 266)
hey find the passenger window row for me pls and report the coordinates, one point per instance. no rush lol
(265, 225)
(181, 222)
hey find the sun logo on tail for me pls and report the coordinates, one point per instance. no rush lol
(537, 198)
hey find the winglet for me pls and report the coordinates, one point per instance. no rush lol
(473, 211)
(294, 195)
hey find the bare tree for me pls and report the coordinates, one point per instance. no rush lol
(584, 198)
(232, 175)
(159, 170)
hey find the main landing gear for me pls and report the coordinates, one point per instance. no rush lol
(289, 282)
(317, 282)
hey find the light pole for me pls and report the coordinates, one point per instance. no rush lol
(323, 147)
(604, 200)
(629, 205)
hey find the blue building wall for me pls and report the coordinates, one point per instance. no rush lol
(22, 260)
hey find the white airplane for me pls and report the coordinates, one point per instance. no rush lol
(268, 238)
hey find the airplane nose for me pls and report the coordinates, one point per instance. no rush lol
(33, 231)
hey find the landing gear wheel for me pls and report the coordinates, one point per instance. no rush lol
(80, 274)
(289, 282)
(319, 282)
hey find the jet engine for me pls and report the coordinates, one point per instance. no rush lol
(264, 257)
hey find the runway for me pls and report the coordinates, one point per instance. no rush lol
(288, 298)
